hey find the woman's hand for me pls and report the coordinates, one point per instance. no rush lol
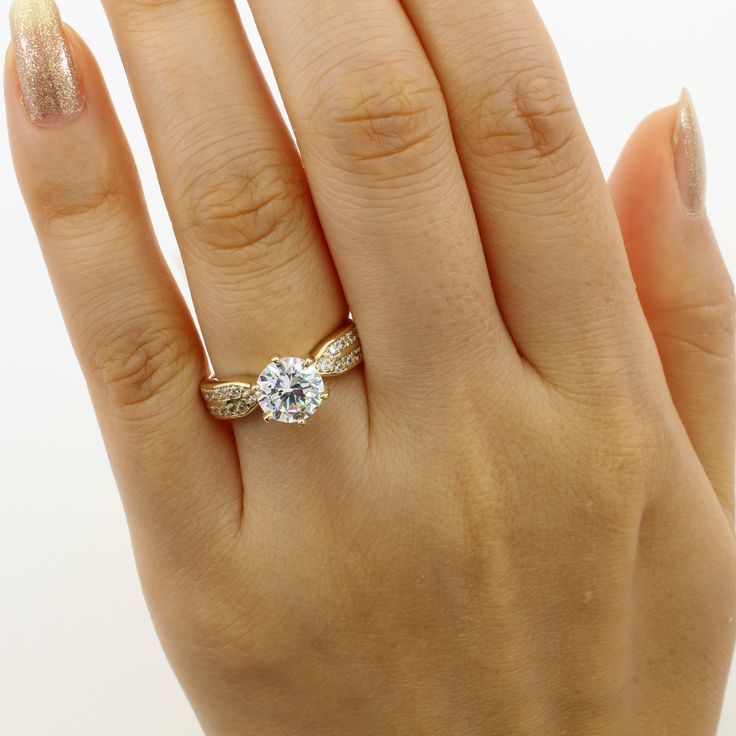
(516, 519)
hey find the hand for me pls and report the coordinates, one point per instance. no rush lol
(515, 518)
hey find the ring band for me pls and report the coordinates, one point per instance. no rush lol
(288, 390)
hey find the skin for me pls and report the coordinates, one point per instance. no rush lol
(541, 544)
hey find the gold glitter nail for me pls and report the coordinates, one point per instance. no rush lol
(689, 153)
(48, 78)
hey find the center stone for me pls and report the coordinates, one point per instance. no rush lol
(289, 390)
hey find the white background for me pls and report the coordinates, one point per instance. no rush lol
(78, 655)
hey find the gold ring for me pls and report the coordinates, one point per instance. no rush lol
(288, 390)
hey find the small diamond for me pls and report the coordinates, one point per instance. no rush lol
(324, 365)
(289, 390)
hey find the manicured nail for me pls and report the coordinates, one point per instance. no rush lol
(48, 78)
(689, 156)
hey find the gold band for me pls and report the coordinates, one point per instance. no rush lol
(237, 397)
(229, 399)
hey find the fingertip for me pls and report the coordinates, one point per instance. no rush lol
(65, 155)
(47, 71)
(643, 182)
(672, 250)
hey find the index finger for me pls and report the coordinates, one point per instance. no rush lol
(130, 327)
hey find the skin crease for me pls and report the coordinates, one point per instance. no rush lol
(544, 545)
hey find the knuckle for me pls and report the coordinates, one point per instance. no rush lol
(140, 365)
(242, 209)
(381, 116)
(545, 114)
(528, 118)
(67, 212)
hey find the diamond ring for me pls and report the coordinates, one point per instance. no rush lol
(288, 390)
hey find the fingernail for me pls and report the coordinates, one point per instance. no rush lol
(48, 78)
(689, 153)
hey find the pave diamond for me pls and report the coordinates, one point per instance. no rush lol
(325, 364)
(231, 400)
(290, 390)
(339, 354)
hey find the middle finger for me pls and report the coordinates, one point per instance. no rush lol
(376, 141)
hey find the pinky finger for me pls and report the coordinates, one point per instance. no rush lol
(683, 284)
(132, 332)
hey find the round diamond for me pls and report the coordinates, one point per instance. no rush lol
(289, 390)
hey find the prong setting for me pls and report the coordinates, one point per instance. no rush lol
(289, 389)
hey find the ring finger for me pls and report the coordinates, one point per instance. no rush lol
(384, 173)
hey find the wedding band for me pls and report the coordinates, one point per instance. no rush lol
(288, 390)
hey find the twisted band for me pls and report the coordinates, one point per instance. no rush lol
(288, 390)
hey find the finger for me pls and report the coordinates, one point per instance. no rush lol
(553, 244)
(259, 272)
(683, 284)
(261, 277)
(137, 345)
(377, 145)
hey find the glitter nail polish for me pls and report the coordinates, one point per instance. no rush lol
(47, 75)
(689, 155)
